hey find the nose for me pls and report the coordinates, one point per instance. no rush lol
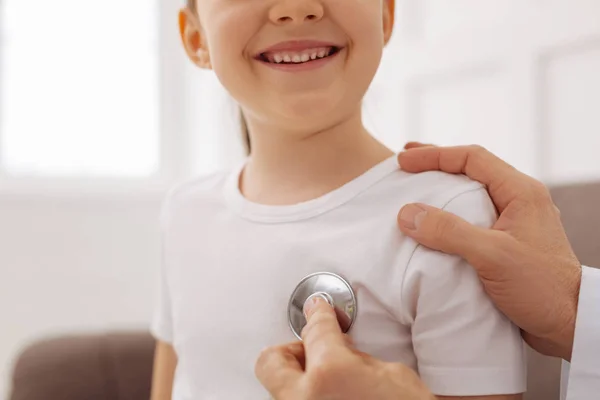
(296, 12)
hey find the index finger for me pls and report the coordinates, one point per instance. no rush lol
(503, 181)
(279, 369)
(322, 333)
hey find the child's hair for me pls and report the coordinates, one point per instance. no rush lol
(245, 133)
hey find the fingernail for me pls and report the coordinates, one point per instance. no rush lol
(411, 216)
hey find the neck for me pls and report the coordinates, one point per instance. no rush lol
(291, 167)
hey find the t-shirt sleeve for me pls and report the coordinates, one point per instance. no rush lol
(463, 344)
(162, 324)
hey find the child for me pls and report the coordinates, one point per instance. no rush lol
(317, 193)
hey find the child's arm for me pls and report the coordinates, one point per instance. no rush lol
(465, 347)
(165, 358)
(165, 362)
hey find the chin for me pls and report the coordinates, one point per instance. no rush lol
(315, 106)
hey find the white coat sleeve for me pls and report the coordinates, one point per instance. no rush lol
(584, 375)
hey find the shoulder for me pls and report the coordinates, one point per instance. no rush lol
(454, 193)
(198, 187)
(434, 188)
(195, 194)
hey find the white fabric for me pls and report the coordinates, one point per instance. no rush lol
(584, 374)
(231, 265)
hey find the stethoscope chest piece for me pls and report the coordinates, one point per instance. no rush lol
(331, 287)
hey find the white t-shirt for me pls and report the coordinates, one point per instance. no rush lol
(230, 266)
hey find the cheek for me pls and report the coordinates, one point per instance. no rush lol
(363, 25)
(359, 18)
(227, 27)
(362, 21)
(232, 65)
(228, 43)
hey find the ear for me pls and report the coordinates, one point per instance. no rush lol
(388, 19)
(193, 41)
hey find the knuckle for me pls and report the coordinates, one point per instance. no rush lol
(396, 369)
(264, 357)
(323, 378)
(477, 149)
(444, 226)
(540, 194)
(556, 210)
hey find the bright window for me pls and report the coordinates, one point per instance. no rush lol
(79, 88)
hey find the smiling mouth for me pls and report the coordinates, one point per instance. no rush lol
(298, 57)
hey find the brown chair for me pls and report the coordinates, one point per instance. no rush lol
(114, 366)
(119, 366)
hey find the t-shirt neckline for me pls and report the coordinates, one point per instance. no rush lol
(308, 209)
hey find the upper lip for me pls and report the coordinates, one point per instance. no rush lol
(297, 45)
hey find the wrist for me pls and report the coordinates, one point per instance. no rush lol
(565, 336)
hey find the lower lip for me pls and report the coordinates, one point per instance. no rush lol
(301, 67)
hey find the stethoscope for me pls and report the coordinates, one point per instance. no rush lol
(332, 288)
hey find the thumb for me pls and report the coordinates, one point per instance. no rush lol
(446, 232)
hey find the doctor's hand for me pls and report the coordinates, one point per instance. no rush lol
(325, 366)
(525, 261)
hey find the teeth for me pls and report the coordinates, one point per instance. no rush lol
(299, 57)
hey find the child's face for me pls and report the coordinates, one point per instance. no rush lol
(236, 38)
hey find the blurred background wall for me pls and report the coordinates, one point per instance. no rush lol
(100, 113)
